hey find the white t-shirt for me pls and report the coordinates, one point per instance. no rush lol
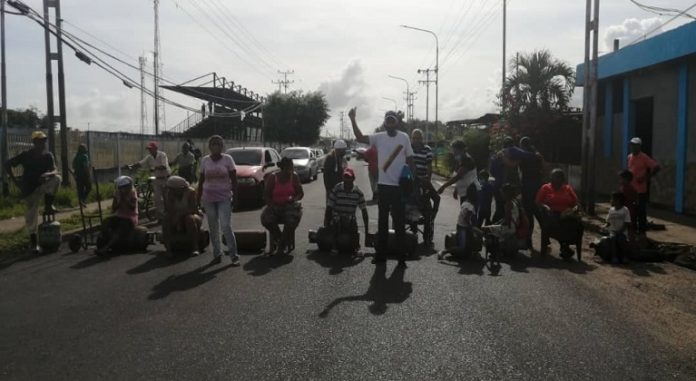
(159, 160)
(392, 152)
(466, 212)
(617, 217)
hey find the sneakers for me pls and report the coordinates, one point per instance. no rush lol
(234, 260)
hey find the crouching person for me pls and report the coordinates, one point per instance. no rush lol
(181, 225)
(119, 227)
(344, 199)
(468, 236)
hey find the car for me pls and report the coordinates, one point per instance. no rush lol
(321, 158)
(253, 165)
(305, 162)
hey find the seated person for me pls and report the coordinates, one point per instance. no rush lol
(121, 224)
(466, 227)
(630, 194)
(344, 198)
(509, 227)
(282, 194)
(618, 222)
(558, 206)
(181, 220)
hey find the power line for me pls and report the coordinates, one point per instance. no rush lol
(284, 82)
(471, 28)
(660, 11)
(681, 13)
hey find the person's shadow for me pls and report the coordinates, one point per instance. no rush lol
(262, 265)
(335, 263)
(382, 291)
(185, 281)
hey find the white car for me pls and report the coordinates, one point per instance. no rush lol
(305, 162)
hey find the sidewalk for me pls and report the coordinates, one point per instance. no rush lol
(17, 223)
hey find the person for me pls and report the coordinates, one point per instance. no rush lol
(618, 222)
(282, 194)
(124, 205)
(485, 199)
(629, 193)
(334, 165)
(513, 214)
(344, 199)
(394, 152)
(558, 204)
(156, 161)
(217, 186)
(643, 168)
(186, 161)
(466, 225)
(531, 168)
(181, 214)
(81, 170)
(505, 169)
(465, 176)
(39, 179)
(423, 161)
(370, 156)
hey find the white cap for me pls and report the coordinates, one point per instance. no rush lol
(340, 144)
(636, 141)
(123, 181)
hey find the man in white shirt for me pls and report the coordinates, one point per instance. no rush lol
(157, 162)
(394, 151)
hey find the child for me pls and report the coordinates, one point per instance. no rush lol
(466, 226)
(485, 199)
(125, 214)
(629, 193)
(618, 220)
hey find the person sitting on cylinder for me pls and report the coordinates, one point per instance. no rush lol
(344, 199)
(282, 192)
(121, 224)
(507, 228)
(181, 223)
(466, 226)
(559, 206)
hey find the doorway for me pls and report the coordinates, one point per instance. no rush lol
(644, 123)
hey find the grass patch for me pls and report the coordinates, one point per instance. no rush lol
(66, 198)
(18, 241)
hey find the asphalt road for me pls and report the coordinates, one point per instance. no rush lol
(315, 316)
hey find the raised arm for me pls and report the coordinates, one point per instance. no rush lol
(359, 137)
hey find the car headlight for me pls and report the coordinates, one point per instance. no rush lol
(246, 181)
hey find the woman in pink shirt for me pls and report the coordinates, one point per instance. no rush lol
(216, 186)
(282, 195)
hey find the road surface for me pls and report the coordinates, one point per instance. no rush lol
(315, 316)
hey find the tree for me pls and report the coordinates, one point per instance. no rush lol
(295, 118)
(28, 118)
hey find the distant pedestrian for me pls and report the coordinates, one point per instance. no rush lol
(157, 162)
(643, 168)
(186, 162)
(81, 169)
(334, 165)
(40, 179)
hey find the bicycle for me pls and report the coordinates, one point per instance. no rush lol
(145, 197)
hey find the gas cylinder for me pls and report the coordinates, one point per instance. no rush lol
(49, 236)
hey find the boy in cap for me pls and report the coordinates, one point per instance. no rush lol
(157, 162)
(40, 179)
(643, 167)
(344, 199)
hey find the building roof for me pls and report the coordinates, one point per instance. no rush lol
(219, 95)
(668, 46)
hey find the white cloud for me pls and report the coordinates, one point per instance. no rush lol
(630, 30)
(113, 111)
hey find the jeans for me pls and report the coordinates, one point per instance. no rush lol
(219, 216)
(642, 213)
(390, 201)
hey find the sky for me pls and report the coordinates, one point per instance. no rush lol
(345, 49)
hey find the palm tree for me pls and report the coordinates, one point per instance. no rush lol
(539, 82)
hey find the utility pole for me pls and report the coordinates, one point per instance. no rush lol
(143, 104)
(427, 91)
(3, 112)
(409, 97)
(502, 84)
(589, 120)
(284, 82)
(50, 57)
(341, 125)
(158, 106)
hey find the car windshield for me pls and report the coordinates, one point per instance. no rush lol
(296, 153)
(246, 157)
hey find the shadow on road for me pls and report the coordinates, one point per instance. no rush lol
(157, 261)
(382, 291)
(89, 262)
(262, 265)
(521, 263)
(646, 269)
(185, 281)
(335, 263)
(472, 265)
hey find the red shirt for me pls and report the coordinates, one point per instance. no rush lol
(639, 164)
(371, 159)
(558, 200)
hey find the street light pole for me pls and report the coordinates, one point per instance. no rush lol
(392, 100)
(3, 116)
(437, 73)
(408, 91)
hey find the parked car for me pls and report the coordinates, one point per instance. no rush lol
(253, 164)
(305, 161)
(321, 158)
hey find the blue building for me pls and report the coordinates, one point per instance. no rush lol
(648, 90)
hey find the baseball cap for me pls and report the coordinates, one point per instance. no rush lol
(177, 182)
(340, 144)
(38, 135)
(123, 181)
(349, 172)
(636, 140)
(152, 145)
